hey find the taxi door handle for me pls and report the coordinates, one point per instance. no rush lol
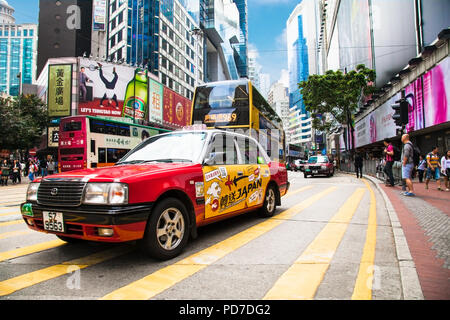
(240, 173)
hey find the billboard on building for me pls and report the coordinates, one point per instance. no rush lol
(414, 96)
(177, 109)
(436, 92)
(59, 98)
(99, 15)
(377, 125)
(156, 96)
(104, 87)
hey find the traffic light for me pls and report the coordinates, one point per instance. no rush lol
(401, 112)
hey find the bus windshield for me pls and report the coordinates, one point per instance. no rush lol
(223, 96)
(173, 147)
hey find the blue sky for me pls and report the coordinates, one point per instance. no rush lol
(267, 22)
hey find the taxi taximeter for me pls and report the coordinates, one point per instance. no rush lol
(160, 192)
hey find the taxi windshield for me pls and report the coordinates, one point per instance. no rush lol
(173, 147)
(318, 160)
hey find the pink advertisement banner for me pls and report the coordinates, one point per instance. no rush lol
(436, 91)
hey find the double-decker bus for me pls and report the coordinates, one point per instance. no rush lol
(238, 105)
(91, 142)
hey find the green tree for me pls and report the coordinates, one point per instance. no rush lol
(332, 98)
(22, 122)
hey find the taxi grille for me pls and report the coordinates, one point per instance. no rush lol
(66, 193)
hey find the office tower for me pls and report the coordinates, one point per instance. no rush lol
(18, 46)
(302, 61)
(65, 29)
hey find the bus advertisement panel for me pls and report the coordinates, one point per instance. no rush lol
(107, 89)
(91, 142)
(177, 109)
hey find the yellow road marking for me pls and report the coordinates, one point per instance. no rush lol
(30, 249)
(303, 278)
(10, 223)
(27, 280)
(14, 234)
(363, 285)
(297, 191)
(12, 213)
(167, 277)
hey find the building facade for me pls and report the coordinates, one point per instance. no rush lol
(18, 47)
(160, 36)
(405, 43)
(278, 99)
(302, 38)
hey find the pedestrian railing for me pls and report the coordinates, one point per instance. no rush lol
(373, 168)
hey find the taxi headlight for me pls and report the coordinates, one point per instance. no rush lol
(32, 191)
(106, 193)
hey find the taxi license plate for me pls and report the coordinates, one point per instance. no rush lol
(315, 171)
(53, 221)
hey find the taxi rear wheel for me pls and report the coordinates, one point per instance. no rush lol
(270, 202)
(167, 233)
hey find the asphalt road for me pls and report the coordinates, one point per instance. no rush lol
(331, 239)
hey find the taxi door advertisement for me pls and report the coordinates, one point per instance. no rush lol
(231, 188)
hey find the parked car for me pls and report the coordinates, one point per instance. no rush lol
(300, 165)
(319, 165)
(160, 192)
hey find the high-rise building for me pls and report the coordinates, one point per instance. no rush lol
(65, 30)
(18, 47)
(302, 35)
(264, 84)
(278, 99)
(160, 35)
(242, 47)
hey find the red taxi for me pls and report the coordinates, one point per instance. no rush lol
(318, 165)
(160, 192)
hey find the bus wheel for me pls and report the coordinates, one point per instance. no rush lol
(270, 202)
(166, 233)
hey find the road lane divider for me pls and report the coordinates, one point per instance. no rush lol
(14, 234)
(16, 253)
(29, 279)
(161, 280)
(12, 213)
(364, 280)
(303, 278)
(10, 223)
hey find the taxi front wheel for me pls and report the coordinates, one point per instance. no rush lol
(167, 230)
(270, 202)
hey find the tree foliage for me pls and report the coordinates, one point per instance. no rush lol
(332, 97)
(22, 122)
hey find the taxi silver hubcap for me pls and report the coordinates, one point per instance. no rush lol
(170, 228)
(270, 199)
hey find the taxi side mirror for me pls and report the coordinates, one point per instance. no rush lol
(213, 156)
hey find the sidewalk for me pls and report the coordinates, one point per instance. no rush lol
(425, 220)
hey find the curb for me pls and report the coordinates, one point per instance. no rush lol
(408, 273)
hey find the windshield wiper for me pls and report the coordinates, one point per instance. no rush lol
(169, 160)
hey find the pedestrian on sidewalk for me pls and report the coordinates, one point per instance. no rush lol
(5, 167)
(421, 168)
(389, 157)
(408, 164)
(445, 170)
(433, 171)
(358, 165)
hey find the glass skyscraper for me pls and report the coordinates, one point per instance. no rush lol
(18, 53)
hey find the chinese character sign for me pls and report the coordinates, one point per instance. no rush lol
(156, 101)
(177, 109)
(60, 90)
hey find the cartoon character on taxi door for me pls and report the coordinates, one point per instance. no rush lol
(214, 193)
